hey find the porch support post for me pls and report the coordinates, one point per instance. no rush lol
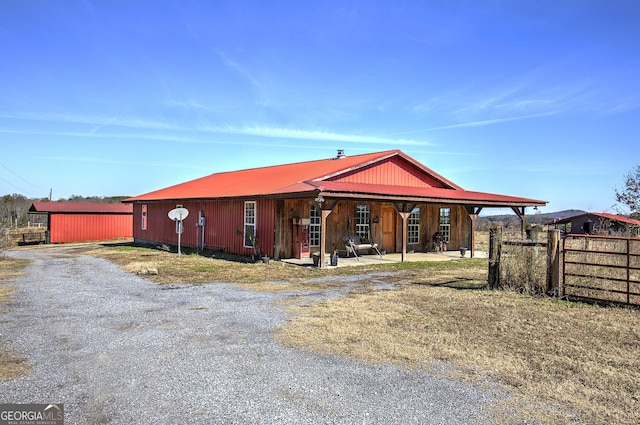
(404, 209)
(325, 209)
(405, 218)
(323, 235)
(473, 215)
(520, 212)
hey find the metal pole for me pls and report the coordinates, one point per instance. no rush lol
(179, 235)
(628, 271)
(179, 230)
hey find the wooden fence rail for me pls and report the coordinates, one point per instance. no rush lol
(588, 267)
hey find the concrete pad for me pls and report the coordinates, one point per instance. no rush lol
(364, 260)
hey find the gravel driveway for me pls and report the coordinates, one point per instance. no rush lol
(115, 348)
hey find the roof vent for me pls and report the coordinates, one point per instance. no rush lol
(340, 154)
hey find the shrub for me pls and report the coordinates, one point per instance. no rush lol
(5, 237)
(523, 269)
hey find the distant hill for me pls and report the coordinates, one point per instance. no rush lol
(512, 219)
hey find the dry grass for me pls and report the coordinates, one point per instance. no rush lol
(12, 365)
(554, 357)
(9, 269)
(481, 239)
(192, 268)
(8, 264)
(6, 293)
(523, 269)
(577, 357)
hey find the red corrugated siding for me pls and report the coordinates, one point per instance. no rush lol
(393, 171)
(223, 228)
(159, 227)
(266, 225)
(89, 227)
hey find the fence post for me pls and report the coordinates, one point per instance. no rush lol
(553, 261)
(495, 237)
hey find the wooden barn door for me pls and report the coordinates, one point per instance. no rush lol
(388, 222)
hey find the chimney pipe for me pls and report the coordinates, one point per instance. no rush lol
(340, 154)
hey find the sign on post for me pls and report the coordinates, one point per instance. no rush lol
(177, 215)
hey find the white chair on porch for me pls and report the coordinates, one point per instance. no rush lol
(354, 243)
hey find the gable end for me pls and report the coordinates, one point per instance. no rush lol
(393, 171)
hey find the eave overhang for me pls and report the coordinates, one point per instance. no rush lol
(381, 193)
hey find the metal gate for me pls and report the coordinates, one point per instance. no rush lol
(601, 268)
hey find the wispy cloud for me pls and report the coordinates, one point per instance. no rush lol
(287, 133)
(480, 122)
(135, 128)
(90, 160)
(100, 126)
(98, 121)
(255, 136)
(239, 69)
(169, 132)
(623, 106)
(538, 93)
(160, 137)
(492, 121)
(192, 106)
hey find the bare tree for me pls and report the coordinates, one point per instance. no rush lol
(15, 208)
(630, 194)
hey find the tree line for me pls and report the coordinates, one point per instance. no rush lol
(14, 208)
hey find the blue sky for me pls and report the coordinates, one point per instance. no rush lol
(538, 99)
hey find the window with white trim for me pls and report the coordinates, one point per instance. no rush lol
(413, 227)
(314, 226)
(363, 214)
(445, 223)
(143, 221)
(249, 223)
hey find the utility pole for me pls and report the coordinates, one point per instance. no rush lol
(50, 194)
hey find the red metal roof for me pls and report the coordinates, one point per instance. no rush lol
(78, 207)
(615, 217)
(428, 193)
(319, 176)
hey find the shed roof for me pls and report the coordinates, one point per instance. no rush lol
(80, 207)
(323, 177)
(613, 217)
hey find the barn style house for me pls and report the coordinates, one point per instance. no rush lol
(295, 210)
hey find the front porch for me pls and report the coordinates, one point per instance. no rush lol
(394, 227)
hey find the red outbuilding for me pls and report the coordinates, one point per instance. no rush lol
(293, 210)
(84, 222)
(597, 223)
